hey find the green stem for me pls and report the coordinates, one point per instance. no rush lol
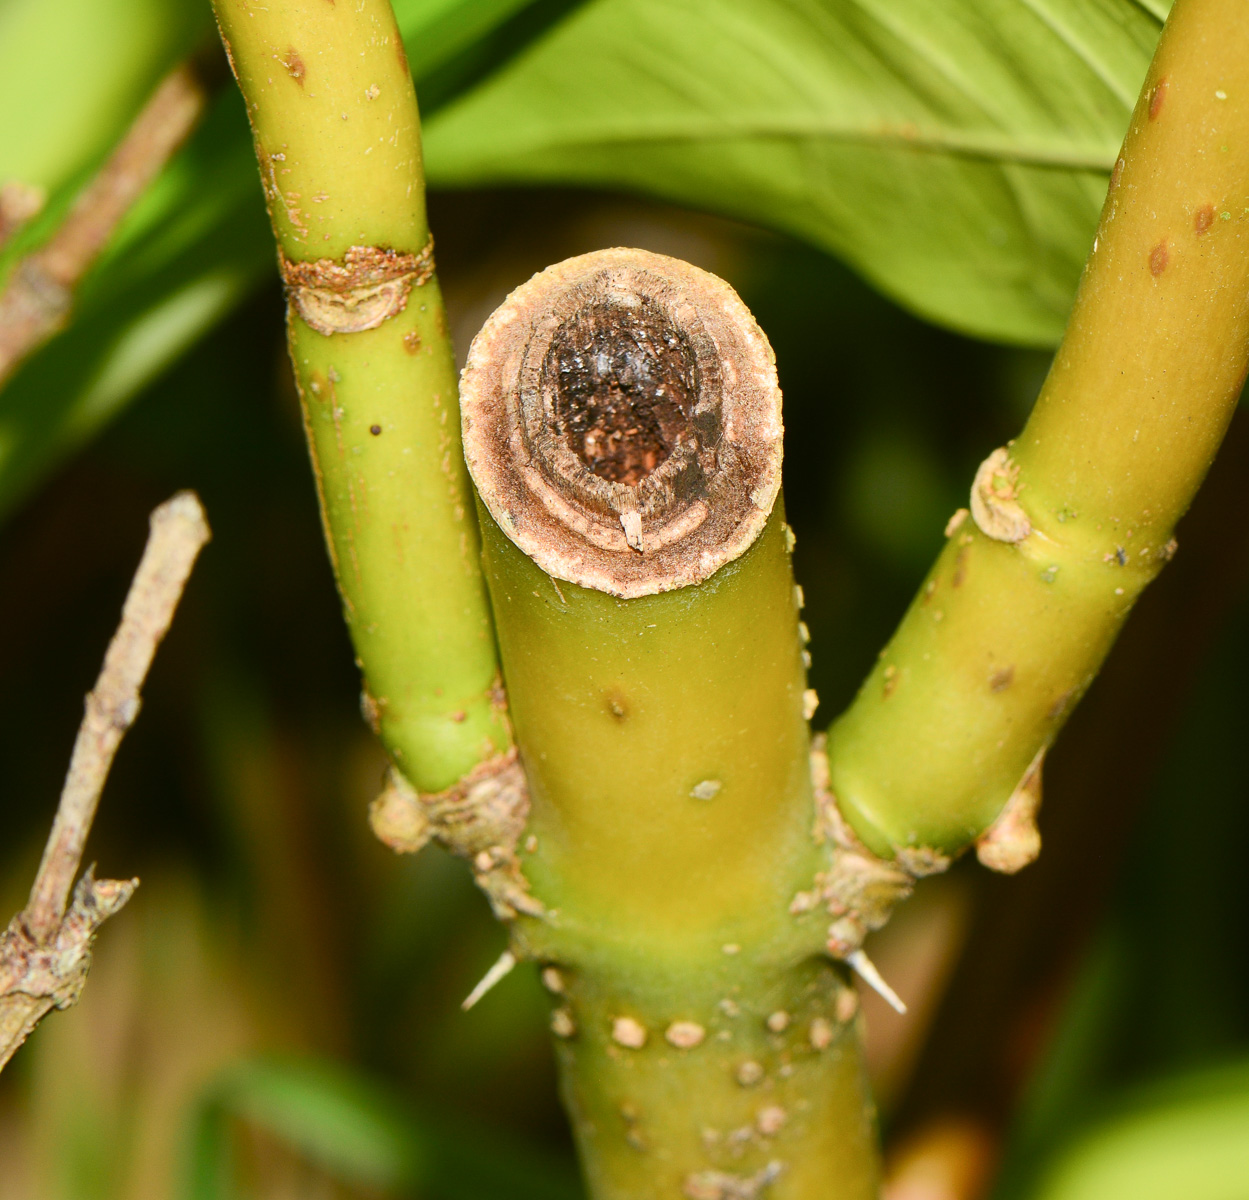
(338, 138)
(707, 1047)
(1076, 517)
(671, 820)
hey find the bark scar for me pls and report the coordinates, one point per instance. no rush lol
(368, 286)
(725, 1185)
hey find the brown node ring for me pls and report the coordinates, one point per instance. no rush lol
(622, 422)
(369, 285)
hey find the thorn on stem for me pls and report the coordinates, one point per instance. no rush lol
(502, 968)
(867, 971)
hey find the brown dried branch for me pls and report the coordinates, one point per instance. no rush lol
(46, 951)
(36, 302)
(19, 203)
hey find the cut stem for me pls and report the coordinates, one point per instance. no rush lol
(622, 423)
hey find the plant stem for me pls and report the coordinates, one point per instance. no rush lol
(46, 950)
(1027, 933)
(706, 1047)
(671, 817)
(338, 139)
(1073, 519)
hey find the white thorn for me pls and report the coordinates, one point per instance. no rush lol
(872, 977)
(507, 960)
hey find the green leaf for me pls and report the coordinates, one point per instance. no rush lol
(76, 72)
(1185, 1138)
(358, 1132)
(196, 244)
(953, 151)
(334, 1118)
(435, 31)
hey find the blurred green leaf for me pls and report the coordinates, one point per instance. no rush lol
(895, 492)
(209, 1174)
(954, 151)
(1188, 1137)
(359, 1133)
(333, 1117)
(192, 248)
(77, 71)
(434, 31)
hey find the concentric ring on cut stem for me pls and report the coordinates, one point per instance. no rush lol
(622, 422)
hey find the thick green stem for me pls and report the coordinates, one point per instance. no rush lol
(707, 1047)
(338, 138)
(1072, 520)
(671, 816)
(747, 1112)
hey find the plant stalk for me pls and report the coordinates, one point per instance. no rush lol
(337, 135)
(707, 1047)
(45, 952)
(1075, 517)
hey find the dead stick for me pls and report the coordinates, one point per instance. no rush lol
(36, 302)
(45, 953)
(19, 203)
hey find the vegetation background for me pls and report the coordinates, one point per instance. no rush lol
(277, 1012)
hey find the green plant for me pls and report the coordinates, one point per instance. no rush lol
(944, 745)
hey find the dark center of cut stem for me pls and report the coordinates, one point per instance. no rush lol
(625, 385)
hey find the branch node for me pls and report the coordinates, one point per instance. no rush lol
(370, 285)
(481, 819)
(859, 889)
(1013, 840)
(46, 951)
(994, 501)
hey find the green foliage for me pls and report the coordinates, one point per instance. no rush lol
(190, 251)
(355, 1131)
(199, 244)
(954, 152)
(1186, 1137)
(195, 245)
(259, 788)
(74, 72)
(360, 1134)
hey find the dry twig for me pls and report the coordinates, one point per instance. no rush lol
(19, 203)
(46, 950)
(36, 302)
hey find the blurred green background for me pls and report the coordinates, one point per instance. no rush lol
(276, 1014)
